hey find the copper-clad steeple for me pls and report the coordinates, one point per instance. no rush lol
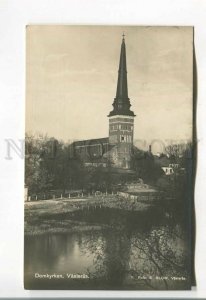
(121, 103)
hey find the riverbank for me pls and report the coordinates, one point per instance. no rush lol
(56, 216)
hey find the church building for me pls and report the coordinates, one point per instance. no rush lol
(115, 150)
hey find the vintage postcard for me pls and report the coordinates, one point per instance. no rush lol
(108, 158)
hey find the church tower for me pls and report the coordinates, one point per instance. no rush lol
(121, 118)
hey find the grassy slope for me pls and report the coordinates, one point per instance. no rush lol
(45, 216)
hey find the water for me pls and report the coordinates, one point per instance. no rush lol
(138, 251)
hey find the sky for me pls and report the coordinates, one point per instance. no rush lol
(71, 79)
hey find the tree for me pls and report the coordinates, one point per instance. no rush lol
(37, 176)
(144, 165)
(49, 166)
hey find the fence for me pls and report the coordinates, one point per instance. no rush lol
(60, 195)
(141, 196)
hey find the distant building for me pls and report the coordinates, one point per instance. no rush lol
(164, 161)
(168, 170)
(174, 166)
(114, 150)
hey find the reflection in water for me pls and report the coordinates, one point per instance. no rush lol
(161, 253)
(133, 254)
(56, 253)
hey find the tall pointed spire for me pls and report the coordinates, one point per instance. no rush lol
(121, 103)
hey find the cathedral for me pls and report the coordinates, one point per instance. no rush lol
(115, 150)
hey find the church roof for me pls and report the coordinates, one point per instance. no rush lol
(92, 150)
(121, 104)
(92, 142)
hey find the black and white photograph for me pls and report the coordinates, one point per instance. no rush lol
(109, 158)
